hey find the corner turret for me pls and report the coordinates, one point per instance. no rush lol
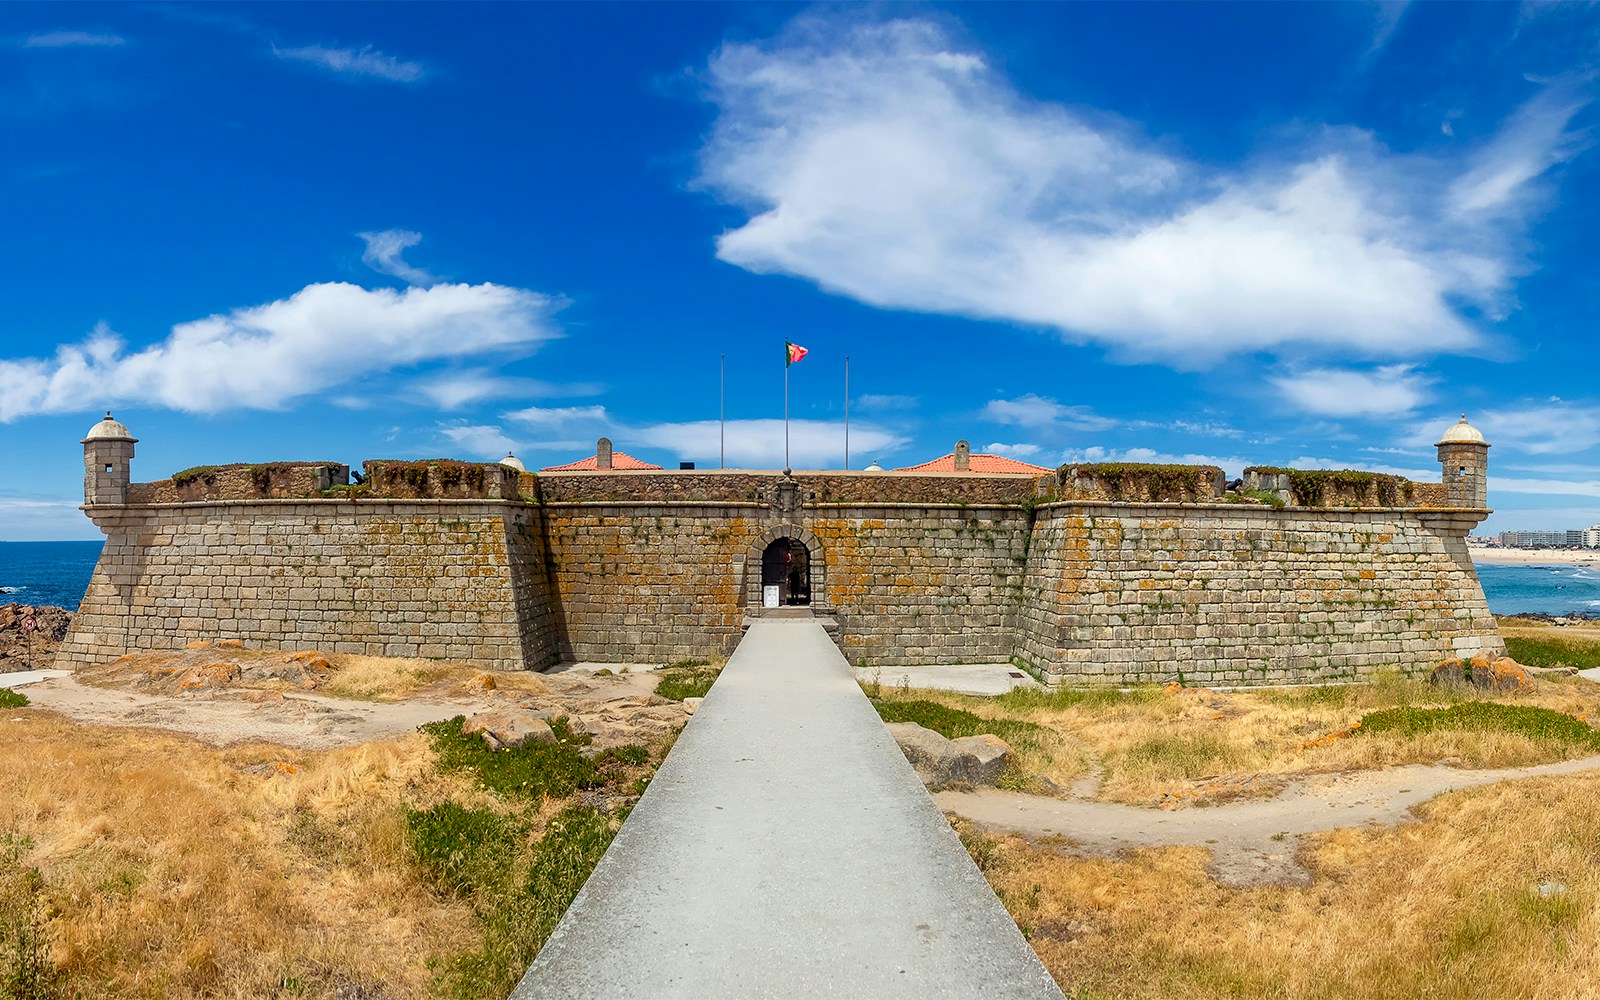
(107, 453)
(1464, 454)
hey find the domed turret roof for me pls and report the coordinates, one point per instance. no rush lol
(108, 430)
(1463, 433)
(514, 462)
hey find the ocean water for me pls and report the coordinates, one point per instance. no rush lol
(46, 573)
(1553, 590)
(57, 573)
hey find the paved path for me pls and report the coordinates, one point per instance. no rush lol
(1253, 842)
(786, 849)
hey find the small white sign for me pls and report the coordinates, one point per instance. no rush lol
(769, 596)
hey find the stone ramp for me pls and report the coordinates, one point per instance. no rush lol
(786, 849)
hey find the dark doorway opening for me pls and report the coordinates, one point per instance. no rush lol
(786, 564)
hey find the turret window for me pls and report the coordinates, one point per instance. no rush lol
(108, 468)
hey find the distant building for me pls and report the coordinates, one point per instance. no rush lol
(603, 459)
(962, 460)
(1591, 537)
(1547, 539)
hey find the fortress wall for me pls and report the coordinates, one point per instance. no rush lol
(1230, 596)
(649, 583)
(923, 585)
(431, 579)
(658, 582)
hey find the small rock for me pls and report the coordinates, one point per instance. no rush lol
(230, 644)
(199, 644)
(509, 727)
(692, 704)
(1450, 673)
(971, 760)
(1503, 674)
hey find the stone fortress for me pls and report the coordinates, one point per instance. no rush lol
(1091, 574)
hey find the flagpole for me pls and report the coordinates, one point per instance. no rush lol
(722, 416)
(786, 469)
(847, 413)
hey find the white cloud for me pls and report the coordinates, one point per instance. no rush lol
(385, 254)
(479, 440)
(1032, 410)
(559, 416)
(452, 390)
(1010, 450)
(73, 40)
(1531, 142)
(363, 62)
(1389, 391)
(884, 163)
(873, 401)
(267, 356)
(1545, 487)
(1551, 428)
(758, 444)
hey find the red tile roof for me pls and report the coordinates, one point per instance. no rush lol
(619, 460)
(979, 463)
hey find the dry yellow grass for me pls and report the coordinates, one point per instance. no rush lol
(173, 869)
(1150, 743)
(379, 678)
(1450, 907)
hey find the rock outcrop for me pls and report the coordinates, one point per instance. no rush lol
(51, 627)
(971, 760)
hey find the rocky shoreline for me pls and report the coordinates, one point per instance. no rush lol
(15, 651)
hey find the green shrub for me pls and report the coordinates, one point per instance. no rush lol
(955, 723)
(1553, 653)
(1484, 716)
(694, 681)
(12, 699)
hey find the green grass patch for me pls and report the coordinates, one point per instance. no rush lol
(537, 770)
(954, 723)
(519, 892)
(1022, 699)
(1183, 756)
(1484, 716)
(1554, 653)
(687, 679)
(12, 699)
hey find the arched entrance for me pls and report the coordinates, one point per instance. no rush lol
(786, 565)
(791, 558)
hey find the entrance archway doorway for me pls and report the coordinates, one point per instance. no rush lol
(786, 565)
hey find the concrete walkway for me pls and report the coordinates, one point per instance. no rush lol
(786, 849)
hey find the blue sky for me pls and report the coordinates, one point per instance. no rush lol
(1307, 234)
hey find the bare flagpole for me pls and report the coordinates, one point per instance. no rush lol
(847, 412)
(722, 416)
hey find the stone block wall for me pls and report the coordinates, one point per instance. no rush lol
(923, 585)
(1234, 595)
(648, 583)
(431, 579)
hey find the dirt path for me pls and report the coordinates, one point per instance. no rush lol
(309, 721)
(1253, 843)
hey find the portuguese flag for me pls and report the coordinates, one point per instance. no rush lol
(792, 353)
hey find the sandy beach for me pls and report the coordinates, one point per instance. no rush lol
(1537, 557)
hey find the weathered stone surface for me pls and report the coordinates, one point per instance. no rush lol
(971, 760)
(1500, 674)
(509, 727)
(980, 760)
(1450, 673)
(930, 569)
